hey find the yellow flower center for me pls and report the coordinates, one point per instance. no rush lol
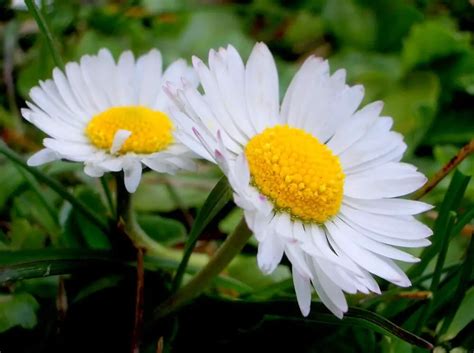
(151, 130)
(299, 174)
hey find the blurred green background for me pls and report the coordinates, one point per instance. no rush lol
(417, 56)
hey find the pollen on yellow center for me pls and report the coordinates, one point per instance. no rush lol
(151, 130)
(299, 174)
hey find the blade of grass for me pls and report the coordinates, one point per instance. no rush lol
(219, 196)
(370, 301)
(451, 201)
(54, 185)
(24, 264)
(444, 234)
(44, 28)
(374, 323)
(16, 265)
(287, 310)
(463, 286)
(466, 217)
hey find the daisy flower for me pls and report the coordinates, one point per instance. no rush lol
(317, 179)
(110, 116)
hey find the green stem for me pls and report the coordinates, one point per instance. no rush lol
(108, 195)
(229, 249)
(217, 199)
(43, 26)
(138, 236)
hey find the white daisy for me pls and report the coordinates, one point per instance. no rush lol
(318, 180)
(110, 116)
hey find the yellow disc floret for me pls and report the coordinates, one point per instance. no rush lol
(299, 174)
(151, 130)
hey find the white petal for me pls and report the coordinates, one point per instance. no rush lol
(364, 258)
(52, 127)
(328, 293)
(211, 108)
(148, 71)
(388, 180)
(299, 97)
(405, 227)
(261, 83)
(330, 288)
(397, 241)
(303, 292)
(297, 258)
(93, 170)
(388, 207)
(175, 74)
(119, 139)
(350, 132)
(79, 88)
(92, 74)
(269, 254)
(125, 79)
(372, 245)
(132, 171)
(69, 98)
(68, 148)
(43, 156)
(368, 149)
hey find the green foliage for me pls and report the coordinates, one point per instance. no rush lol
(59, 228)
(17, 310)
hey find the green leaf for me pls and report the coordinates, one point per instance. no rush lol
(412, 104)
(432, 40)
(95, 238)
(17, 309)
(304, 30)
(166, 231)
(377, 72)
(450, 203)
(199, 35)
(153, 196)
(231, 220)
(394, 20)
(24, 236)
(10, 180)
(217, 199)
(30, 206)
(464, 316)
(245, 269)
(53, 184)
(352, 25)
(452, 126)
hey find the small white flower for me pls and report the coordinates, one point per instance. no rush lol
(110, 116)
(318, 180)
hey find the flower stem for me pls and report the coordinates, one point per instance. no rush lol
(139, 303)
(126, 218)
(462, 154)
(43, 26)
(229, 249)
